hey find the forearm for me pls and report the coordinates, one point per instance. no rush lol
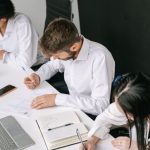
(94, 139)
(47, 70)
(85, 103)
(21, 60)
(44, 73)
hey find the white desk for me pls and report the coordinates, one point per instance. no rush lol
(9, 74)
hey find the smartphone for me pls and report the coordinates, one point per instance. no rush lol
(6, 89)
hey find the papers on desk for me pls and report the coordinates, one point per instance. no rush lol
(59, 129)
(19, 101)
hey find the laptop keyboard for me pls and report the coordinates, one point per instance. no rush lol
(6, 143)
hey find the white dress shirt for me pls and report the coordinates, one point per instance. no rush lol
(103, 123)
(88, 78)
(109, 118)
(19, 41)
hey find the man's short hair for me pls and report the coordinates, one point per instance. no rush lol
(7, 9)
(59, 35)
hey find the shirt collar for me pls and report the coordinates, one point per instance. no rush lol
(84, 51)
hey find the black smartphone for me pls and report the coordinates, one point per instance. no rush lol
(6, 89)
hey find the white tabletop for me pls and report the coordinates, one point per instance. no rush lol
(21, 97)
(9, 103)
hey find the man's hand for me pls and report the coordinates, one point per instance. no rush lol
(1, 54)
(44, 101)
(32, 81)
(123, 142)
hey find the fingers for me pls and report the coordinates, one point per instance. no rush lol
(38, 103)
(32, 81)
(29, 83)
(47, 100)
(121, 142)
(87, 146)
(83, 148)
(116, 143)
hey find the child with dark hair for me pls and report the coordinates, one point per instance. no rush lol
(18, 38)
(131, 106)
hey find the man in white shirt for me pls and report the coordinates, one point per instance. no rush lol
(88, 69)
(18, 38)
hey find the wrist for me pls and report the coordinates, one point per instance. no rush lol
(94, 139)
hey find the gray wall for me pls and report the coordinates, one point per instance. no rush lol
(35, 9)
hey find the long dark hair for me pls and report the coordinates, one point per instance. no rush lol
(133, 94)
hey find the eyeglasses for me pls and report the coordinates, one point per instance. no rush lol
(80, 138)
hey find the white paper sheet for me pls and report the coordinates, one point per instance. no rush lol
(19, 101)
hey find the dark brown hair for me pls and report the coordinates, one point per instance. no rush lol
(59, 35)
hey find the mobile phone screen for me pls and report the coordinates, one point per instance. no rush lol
(6, 89)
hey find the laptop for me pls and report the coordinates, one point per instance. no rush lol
(12, 135)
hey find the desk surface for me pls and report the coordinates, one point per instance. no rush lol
(10, 74)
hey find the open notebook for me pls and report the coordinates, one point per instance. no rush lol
(59, 130)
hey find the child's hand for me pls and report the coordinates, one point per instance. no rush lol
(123, 143)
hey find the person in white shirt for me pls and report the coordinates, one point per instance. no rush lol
(88, 69)
(132, 107)
(18, 38)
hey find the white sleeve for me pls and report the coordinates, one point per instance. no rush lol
(49, 69)
(27, 44)
(111, 116)
(99, 99)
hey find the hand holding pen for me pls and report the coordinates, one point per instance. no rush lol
(90, 144)
(32, 81)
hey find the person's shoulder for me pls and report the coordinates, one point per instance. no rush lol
(97, 49)
(21, 18)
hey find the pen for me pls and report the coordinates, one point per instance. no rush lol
(60, 126)
(80, 138)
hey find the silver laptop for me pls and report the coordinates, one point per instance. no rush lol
(12, 135)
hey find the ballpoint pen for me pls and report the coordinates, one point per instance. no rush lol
(80, 138)
(60, 126)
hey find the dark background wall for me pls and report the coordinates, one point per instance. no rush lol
(123, 26)
(57, 8)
